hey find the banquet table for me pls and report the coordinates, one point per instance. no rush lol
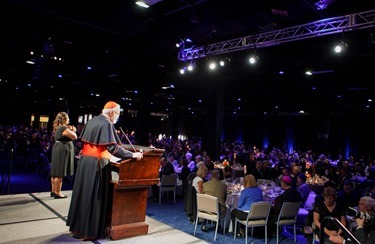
(316, 183)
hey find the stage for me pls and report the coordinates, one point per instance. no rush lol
(39, 218)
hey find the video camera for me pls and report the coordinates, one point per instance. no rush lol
(354, 213)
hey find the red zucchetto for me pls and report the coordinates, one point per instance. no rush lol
(286, 179)
(110, 105)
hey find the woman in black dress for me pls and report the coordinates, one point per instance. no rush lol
(329, 207)
(62, 157)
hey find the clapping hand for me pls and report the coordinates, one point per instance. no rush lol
(72, 128)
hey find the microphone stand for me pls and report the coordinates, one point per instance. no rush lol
(127, 138)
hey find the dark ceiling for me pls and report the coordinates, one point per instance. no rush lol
(133, 55)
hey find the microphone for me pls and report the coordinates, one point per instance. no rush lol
(127, 138)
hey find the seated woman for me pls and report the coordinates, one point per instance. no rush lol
(199, 179)
(329, 207)
(251, 193)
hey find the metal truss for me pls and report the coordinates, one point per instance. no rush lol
(318, 28)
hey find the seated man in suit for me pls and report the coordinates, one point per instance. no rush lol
(290, 194)
(166, 169)
(216, 188)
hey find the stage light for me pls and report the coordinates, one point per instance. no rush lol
(212, 65)
(181, 43)
(253, 59)
(341, 47)
(142, 4)
(224, 61)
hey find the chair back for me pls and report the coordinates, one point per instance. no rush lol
(208, 208)
(169, 180)
(310, 201)
(168, 183)
(288, 216)
(259, 210)
(289, 210)
(207, 203)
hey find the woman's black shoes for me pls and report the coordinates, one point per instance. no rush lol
(60, 197)
(56, 196)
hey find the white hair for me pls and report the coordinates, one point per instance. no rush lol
(200, 164)
(189, 156)
(108, 110)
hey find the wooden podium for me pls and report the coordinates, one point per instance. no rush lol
(130, 192)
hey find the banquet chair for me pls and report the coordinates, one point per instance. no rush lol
(288, 216)
(168, 183)
(257, 216)
(304, 211)
(208, 208)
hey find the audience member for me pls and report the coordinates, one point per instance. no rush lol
(258, 174)
(319, 197)
(185, 171)
(250, 163)
(166, 168)
(302, 187)
(363, 236)
(199, 179)
(329, 208)
(197, 160)
(285, 171)
(191, 163)
(216, 188)
(344, 175)
(209, 163)
(295, 171)
(348, 197)
(172, 159)
(251, 193)
(266, 171)
(366, 205)
(290, 194)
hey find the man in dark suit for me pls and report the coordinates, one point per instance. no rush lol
(344, 174)
(166, 169)
(258, 174)
(290, 194)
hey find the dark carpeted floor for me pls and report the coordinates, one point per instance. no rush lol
(173, 214)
